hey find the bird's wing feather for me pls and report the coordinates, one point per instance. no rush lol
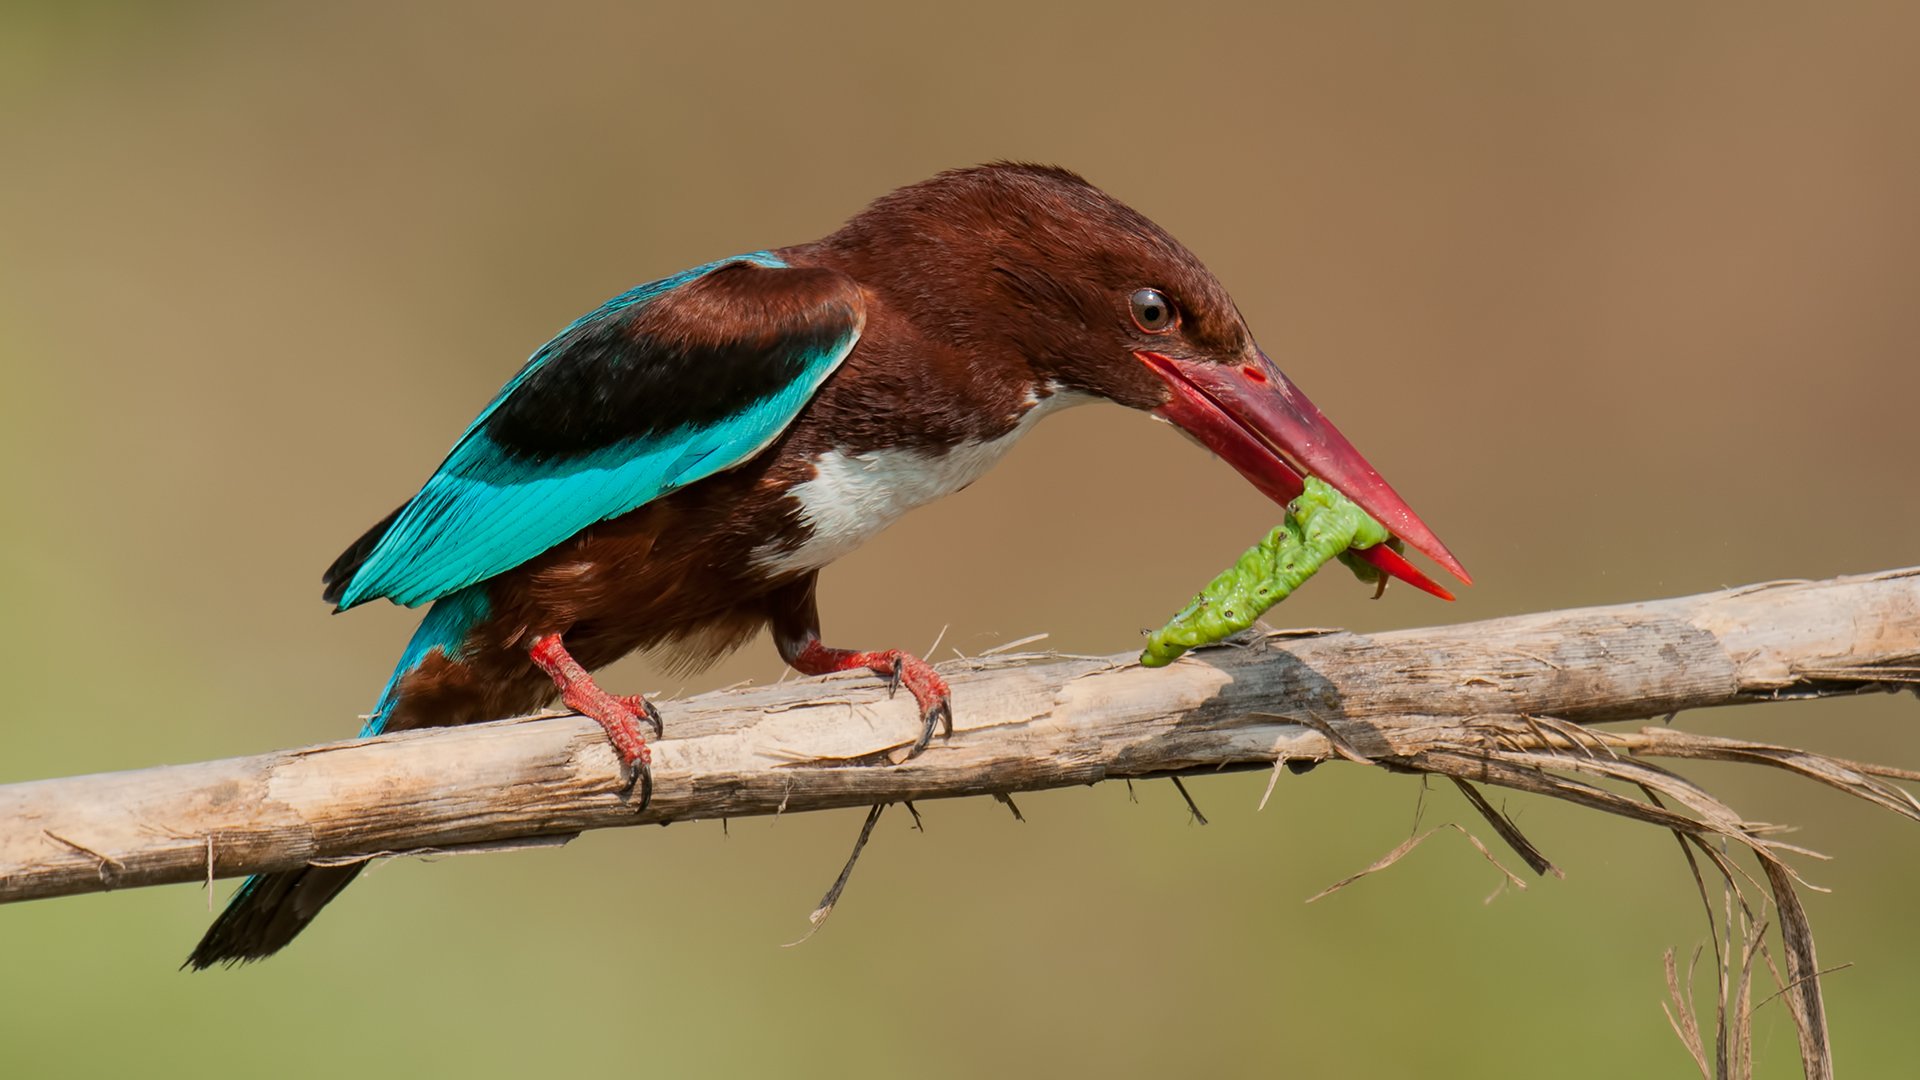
(661, 387)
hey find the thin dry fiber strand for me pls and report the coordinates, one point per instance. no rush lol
(1518, 753)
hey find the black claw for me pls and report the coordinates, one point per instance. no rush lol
(941, 716)
(893, 681)
(652, 716)
(637, 772)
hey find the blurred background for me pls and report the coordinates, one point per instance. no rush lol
(1624, 297)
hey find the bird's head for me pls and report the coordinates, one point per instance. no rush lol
(1035, 262)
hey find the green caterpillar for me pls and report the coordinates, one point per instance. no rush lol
(1319, 525)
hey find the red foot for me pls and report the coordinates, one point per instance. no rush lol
(618, 715)
(928, 688)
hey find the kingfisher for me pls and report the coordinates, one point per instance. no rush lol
(672, 471)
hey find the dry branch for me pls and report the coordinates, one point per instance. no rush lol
(1502, 702)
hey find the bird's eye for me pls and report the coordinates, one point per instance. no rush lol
(1151, 311)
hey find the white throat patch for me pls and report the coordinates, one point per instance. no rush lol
(854, 497)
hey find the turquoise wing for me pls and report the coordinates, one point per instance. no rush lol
(659, 388)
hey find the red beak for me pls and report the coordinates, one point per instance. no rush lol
(1260, 423)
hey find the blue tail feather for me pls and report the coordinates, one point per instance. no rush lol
(269, 910)
(445, 628)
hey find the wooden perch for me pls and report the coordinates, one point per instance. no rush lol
(1507, 702)
(1497, 702)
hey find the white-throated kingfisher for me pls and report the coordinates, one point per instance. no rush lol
(674, 469)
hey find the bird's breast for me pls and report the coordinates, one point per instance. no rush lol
(853, 496)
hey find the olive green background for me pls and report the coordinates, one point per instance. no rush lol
(1623, 297)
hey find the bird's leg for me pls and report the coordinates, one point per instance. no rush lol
(619, 716)
(928, 688)
(796, 631)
